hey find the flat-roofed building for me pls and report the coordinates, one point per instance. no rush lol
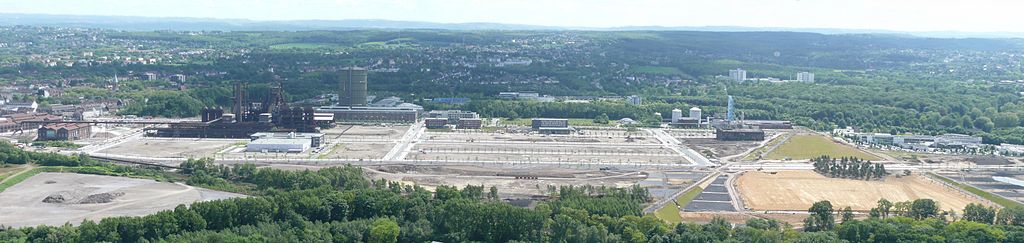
(470, 123)
(314, 139)
(278, 145)
(538, 123)
(436, 123)
(453, 116)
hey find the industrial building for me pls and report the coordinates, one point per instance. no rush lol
(246, 118)
(693, 120)
(739, 134)
(353, 87)
(769, 124)
(470, 123)
(314, 139)
(278, 145)
(364, 114)
(64, 132)
(436, 123)
(919, 142)
(453, 116)
(23, 121)
(551, 126)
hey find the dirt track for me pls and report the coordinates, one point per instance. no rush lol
(797, 190)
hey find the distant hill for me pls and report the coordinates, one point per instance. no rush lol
(213, 24)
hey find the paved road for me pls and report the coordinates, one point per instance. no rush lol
(672, 143)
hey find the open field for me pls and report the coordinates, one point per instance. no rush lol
(365, 133)
(172, 147)
(357, 151)
(805, 146)
(797, 190)
(74, 197)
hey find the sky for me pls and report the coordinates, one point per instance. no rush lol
(898, 15)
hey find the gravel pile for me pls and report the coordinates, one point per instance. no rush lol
(101, 197)
(62, 197)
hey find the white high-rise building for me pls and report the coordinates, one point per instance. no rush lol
(635, 100)
(738, 75)
(805, 77)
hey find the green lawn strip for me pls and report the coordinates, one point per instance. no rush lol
(670, 212)
(760, 151)
(986, 195)
(18, 178)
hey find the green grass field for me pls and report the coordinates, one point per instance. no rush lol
(986, 195)
(656, 70)
(670, 212)
(801, 147)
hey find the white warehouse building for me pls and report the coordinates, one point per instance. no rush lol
(278, 145)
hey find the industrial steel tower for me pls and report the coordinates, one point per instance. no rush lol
(729, 111)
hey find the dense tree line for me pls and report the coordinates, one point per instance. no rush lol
(848, 167)
(339, 205)
(10, 154)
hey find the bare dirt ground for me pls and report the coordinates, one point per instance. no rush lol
(797, 190)
(74, 197)
(172, 147)
(717, 147)
(359, 132)
(359, 151)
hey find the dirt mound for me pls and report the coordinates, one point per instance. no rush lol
(57, 198)
(62, 197)
(101, 197)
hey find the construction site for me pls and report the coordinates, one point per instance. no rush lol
(59, 198)
(695, 167)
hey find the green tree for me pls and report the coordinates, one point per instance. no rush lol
(1006, 120)
(847, 214)
(884, 207)
(601, 119)
(384, 231)
(822, 216)
(979, 213)
(923, 208)
(984, 123)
